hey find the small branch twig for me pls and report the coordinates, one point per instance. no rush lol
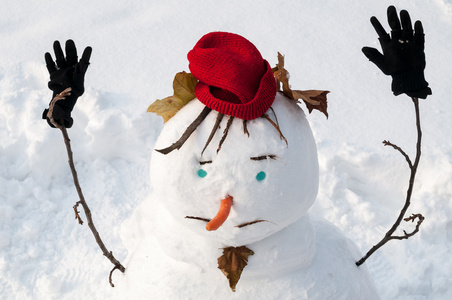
(267, 117)
(245, 128)
(225, 133)
(190, 129)
(111, 274)
(413, 168)
(77, 213)
(82, 201)
(388, 143)
(214, 130)
(412, 218)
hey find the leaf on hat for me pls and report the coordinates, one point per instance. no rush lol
(184, 91)
(314, 99)
(232, 263)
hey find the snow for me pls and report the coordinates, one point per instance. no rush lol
(137, 49)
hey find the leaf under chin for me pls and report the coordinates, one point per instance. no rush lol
(232, 263)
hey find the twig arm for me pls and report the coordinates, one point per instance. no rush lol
(413, 168)
(82, 201)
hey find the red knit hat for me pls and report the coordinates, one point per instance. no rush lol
(233, 77)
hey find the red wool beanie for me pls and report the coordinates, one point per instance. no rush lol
(233, 77)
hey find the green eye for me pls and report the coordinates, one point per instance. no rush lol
(202, 173)
(260, 176)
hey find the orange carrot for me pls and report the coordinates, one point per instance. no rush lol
(222, 214)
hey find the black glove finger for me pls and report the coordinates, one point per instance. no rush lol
(418, 34)
(382, 34)
(407, 29)
(80, 70)
(71, 53)
(394, 23)
(376, 57)
(86, 56)
(59, 56)
(50, 64)
(78, 80)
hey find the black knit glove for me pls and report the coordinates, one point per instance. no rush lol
(403, 54)
(67, 72)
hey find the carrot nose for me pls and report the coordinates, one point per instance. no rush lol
(222, 214)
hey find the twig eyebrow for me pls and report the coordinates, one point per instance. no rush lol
(205, 162)
(263, 157)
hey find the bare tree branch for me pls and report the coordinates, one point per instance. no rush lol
(82, 201)
(413, 167)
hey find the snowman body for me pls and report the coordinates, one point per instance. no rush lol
(272, 177)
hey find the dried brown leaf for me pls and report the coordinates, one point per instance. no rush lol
(232, 263)
(282, 76)
(184, 91)
(314, 99)
(184, 86)
(166, 108)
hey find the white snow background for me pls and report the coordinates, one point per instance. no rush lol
(138, 47)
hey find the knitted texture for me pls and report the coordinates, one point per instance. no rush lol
(233, 77)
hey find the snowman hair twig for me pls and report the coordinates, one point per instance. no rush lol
(190, 129)
(201, 117)
(214, 129)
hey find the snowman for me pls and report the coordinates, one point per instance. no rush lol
(233, 175)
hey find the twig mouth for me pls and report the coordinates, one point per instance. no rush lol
(238, 226)
(251, 223)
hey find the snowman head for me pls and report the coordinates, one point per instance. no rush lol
(250, 175)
